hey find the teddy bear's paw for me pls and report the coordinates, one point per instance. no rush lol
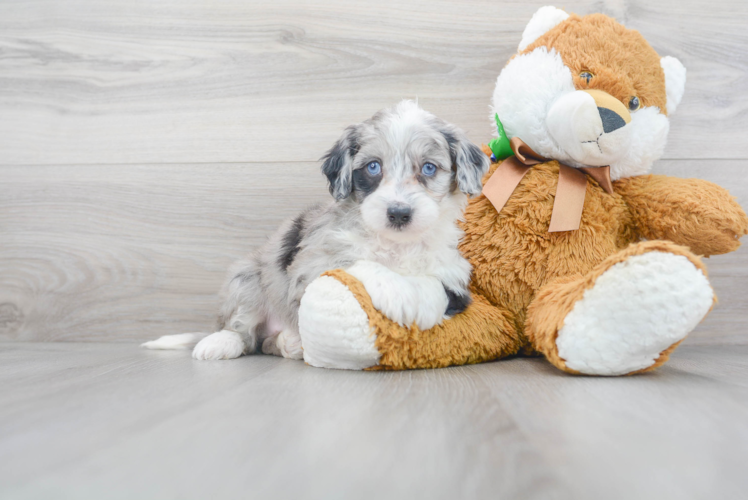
(335, 330)
(636, 310)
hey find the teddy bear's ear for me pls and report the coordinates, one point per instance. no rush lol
(543, 20)
(675, 81)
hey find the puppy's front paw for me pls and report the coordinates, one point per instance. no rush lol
(432, 303)
(403, 299)
(220, 345)
(390, 293)
(423, 302)
(430, 315)
(400, 304)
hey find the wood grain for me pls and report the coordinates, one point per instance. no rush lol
(88, 420)
(177, 81)
(126, 252)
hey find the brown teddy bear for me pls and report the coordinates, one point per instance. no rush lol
(583, 258)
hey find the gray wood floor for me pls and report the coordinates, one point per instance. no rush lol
(108, 421)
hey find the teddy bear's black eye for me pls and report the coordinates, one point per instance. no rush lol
(634, 103)
(586, 75)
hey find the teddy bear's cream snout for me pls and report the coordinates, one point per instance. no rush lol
(591, 126)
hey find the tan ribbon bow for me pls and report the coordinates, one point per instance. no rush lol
(572, 185)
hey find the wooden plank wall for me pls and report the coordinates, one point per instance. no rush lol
(145, 144)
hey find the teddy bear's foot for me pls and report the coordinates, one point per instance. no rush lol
(636, 310)
(627, 315)
(335, 331)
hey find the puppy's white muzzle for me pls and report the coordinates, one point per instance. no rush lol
(398, 211)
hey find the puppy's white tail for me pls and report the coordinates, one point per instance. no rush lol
(175, 342)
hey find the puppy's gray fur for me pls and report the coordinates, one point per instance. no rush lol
(413, 272)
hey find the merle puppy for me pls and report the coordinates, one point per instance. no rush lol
(400, 181)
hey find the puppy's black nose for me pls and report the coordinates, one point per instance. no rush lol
(399, 215)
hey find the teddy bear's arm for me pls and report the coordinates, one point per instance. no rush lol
(481, 333)
(341, 328)
(690, 212)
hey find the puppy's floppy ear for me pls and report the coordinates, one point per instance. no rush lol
(469, 162)
(338, 163)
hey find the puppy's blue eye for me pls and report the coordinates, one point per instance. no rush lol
(428, 169)
(374, 168)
